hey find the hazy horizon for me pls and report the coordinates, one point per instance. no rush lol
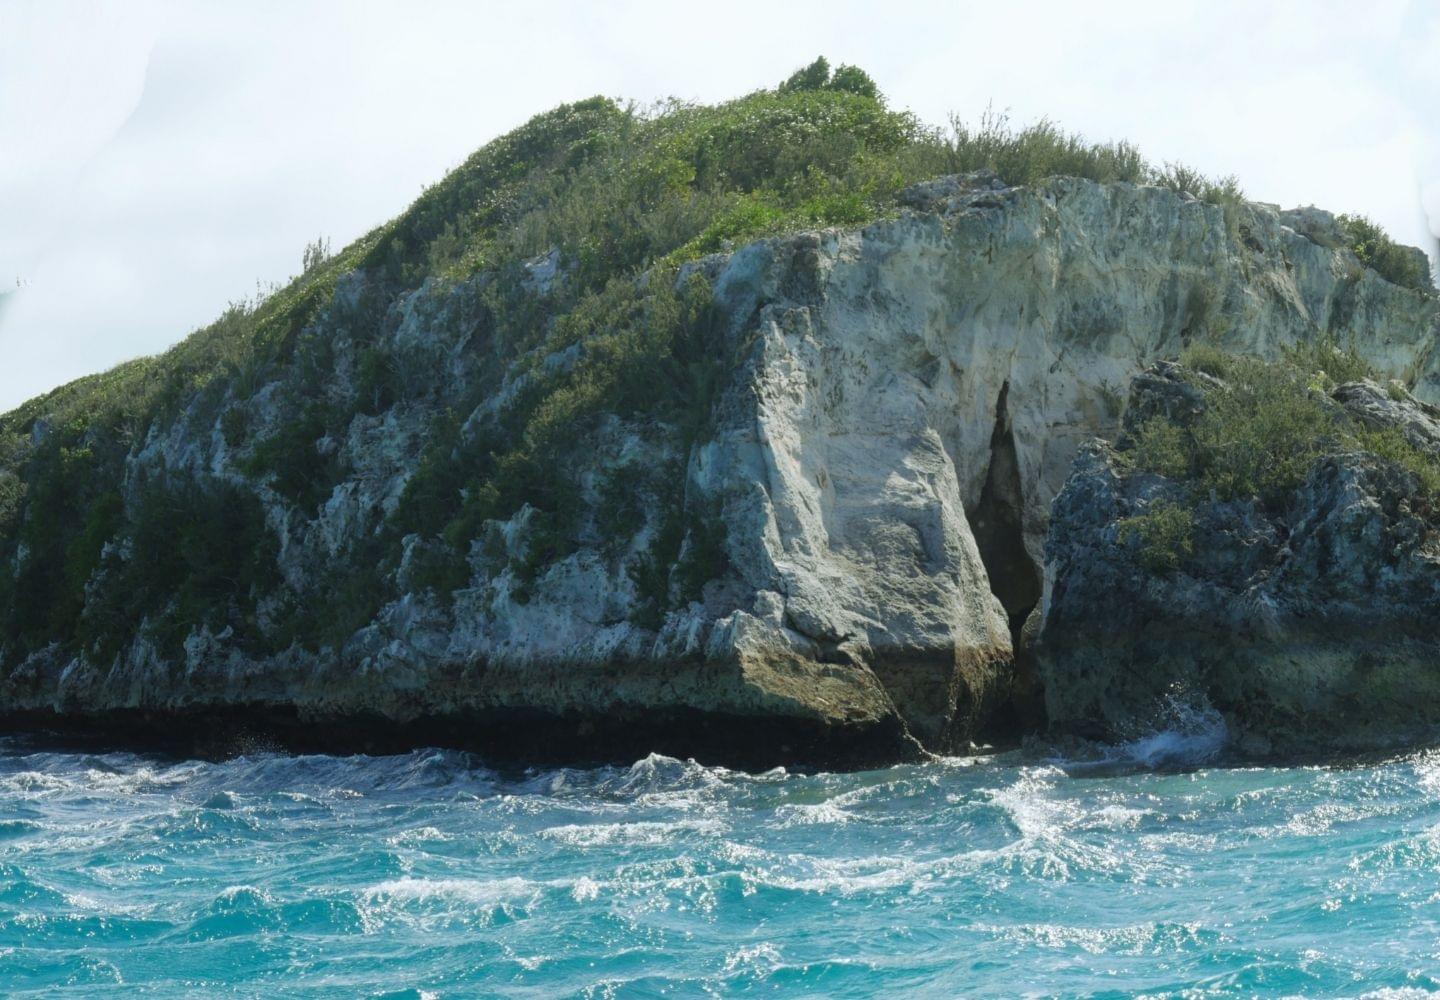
(160, 159)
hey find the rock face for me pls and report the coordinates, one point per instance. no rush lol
(1308, 625)
(900, 405)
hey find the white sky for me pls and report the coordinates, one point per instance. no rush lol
(158, 158)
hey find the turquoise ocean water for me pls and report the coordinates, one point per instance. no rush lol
(429, 875)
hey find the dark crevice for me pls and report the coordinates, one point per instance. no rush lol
(998, 525)
(997, 521)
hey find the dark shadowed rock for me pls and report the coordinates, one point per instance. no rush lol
(1310, 625)
(1161, 391)
(1378, 407)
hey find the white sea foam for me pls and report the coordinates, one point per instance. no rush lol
(639, 832)
(32, 783)
(1193, 735)
(418, 837)
(1133, 939)
(757, 959)
(812, 814)
(1186, 732)
(585, 889)
(477, 892)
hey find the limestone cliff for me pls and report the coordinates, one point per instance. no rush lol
(825, 560)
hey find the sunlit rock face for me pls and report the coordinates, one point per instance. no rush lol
(899, 406)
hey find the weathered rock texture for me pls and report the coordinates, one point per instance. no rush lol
(900, 406)
(1309, 626)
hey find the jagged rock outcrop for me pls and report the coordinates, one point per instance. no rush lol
(900, 404)
(1307, 622)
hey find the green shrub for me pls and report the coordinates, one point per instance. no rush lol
(1260, 434)
(639, 353)
(290, 459)
(438, 568)
(839, 208)
(235, 426)
(61, 520)
(1207, 358)
(812, 77)
(1224, 192)
(817, 76)
(1266, 425)
(82, 555)
(748, 217)
(625, 495)
(854, 80)
(336, 598)
(1177, 177)
(1165, 534)
(1164, 449)
(1325, 357)
(1397, 264)
(1391, 445)
(1033, 153)
(704, 557)
(202, 556)
(12, 496)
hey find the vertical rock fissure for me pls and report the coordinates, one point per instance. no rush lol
(997, 522)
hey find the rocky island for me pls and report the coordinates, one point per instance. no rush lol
(734, 432)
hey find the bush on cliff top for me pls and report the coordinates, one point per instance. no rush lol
(1397, 264)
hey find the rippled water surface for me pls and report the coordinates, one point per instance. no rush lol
(430, 875)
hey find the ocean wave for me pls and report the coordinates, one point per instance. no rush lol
(1157, 938)
(647, 832)
(479, 893)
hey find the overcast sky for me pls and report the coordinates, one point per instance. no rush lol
(158, 159)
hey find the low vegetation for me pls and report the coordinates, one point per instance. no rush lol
(1266, 424)
(1397, 264)
(1164, 535)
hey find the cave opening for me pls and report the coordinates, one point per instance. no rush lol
(998, 525)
